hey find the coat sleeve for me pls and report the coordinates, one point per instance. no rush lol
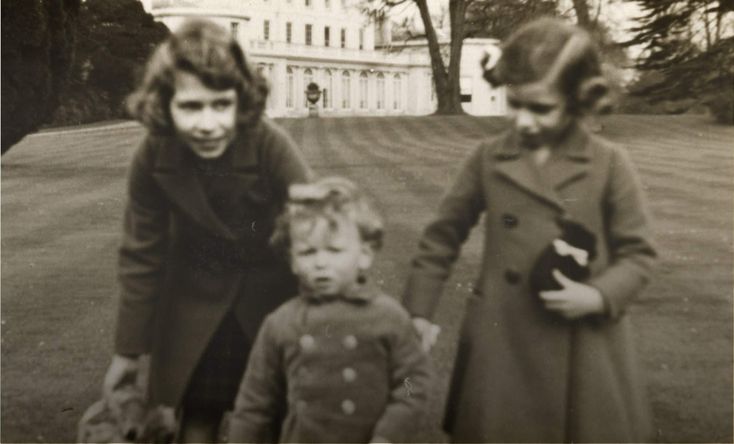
(628, 237)
(442, 239)
(260, 403)
(411, 376)
(141, 257)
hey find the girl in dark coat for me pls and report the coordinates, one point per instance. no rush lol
(197, 275)
(555, 365)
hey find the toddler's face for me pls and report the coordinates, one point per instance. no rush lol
(328, 258)
(204, 118)
(539, 113)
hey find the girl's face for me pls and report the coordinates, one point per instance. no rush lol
(328, 258)
(539, 112)
(204, 118)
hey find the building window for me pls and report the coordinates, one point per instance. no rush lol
(327, 32)
(361, 38)
(290, 88)
(266, 30)
(308, 34)
(363, 90)
(397, 92)
(344, 38)
(346, 89)
(234, 27)
(465, 85)
(380, 91)
(328, 90)
(289, 32)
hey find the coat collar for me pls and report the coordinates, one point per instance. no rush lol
(359, 294)
(170, 153)
(177, 176)
(569, 162)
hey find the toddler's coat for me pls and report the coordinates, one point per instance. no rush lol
(342, 369)
(523, 373)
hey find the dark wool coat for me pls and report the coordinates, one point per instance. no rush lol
(183, 265)
(524, 374)
(344, 370)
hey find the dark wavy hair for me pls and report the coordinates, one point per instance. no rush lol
(205, 49)
(552, 50)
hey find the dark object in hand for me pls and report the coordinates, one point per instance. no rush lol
(571, 253)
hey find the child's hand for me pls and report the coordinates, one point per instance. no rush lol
(120, 368)
(427, 331)
(574, 300)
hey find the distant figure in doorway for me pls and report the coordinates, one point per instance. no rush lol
(197, 273)
(557, 365)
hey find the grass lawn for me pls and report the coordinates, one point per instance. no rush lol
(62, 200)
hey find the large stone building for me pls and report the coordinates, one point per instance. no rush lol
(331, 43)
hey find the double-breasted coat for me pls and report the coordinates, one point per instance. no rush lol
(523, 373)
(187, 259)
(342, 369)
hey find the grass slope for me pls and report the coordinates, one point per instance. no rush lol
(62, 199)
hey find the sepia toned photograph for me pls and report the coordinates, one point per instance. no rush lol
(367, 221)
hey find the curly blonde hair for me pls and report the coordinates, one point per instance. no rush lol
(333, 199)
(208, 51)
(552, 50)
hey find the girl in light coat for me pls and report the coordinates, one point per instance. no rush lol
(558, 365)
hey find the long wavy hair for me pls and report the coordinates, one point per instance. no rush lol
(208, 51)
(559, 53)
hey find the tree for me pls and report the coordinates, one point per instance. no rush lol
(690, 48)
(467, 18)
(499, 18)
(37, 50)
(115, 40)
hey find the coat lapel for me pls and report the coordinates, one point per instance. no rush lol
(177, 178)
(570, 163)
(516, 166)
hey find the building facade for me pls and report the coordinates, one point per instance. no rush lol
(331, 43)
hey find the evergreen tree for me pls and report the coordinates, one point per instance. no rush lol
(37, 50)
(115, 40)
(688, 53)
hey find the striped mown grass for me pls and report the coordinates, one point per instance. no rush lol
(62, 198)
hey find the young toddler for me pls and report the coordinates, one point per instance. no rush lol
(341, 362)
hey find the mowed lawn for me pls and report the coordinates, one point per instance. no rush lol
(63, 195)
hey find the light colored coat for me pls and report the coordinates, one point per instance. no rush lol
(524, 374)
(344, 370)
(182, 265)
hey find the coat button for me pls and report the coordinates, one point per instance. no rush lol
(307, 342)
(350, 342)
(512, 276)
(348, 406)
(349, 374)
(509, 220)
